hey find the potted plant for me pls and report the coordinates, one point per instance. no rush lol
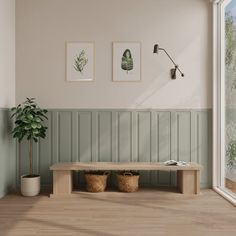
(29, 124)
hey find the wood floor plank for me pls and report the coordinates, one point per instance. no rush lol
(146, 212)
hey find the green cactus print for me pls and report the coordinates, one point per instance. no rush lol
(127, 61)
(80, 61)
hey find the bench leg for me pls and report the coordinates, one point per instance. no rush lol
(188, 181)
(62, 183)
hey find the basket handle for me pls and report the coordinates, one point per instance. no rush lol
(127, 174)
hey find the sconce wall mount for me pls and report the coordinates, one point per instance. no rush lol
(173, 71)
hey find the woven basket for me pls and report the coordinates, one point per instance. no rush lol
(127, 181)
(96, 181)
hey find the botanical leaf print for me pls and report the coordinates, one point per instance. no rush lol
(80, 62)
(127, 61)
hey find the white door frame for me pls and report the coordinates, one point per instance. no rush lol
(219, 101)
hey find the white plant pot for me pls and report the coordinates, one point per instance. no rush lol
(30, 186)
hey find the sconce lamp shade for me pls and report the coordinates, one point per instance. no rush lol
(156, 48)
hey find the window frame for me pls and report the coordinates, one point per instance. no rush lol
(219, 100)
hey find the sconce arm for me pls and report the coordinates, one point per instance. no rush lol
(176, 66)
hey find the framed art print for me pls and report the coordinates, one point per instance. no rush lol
(127, 61)
(80, 61)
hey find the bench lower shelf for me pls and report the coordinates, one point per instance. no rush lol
(113, 191)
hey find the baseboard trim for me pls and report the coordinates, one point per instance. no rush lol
(3, 194)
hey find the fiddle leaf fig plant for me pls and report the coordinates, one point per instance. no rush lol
(28, 119)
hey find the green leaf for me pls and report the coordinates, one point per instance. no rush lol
(30, 117)
(39, 126)
(25, 120)
(34, 125)
(18, 122)
(16, 135)
(37, 119)
(35, 131)
(127, 61)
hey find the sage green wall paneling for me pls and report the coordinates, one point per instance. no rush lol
(180, 138)
(184, 136)
(194, 132)
(75, 146)
(45, 153)
(164, 145)
(134, 130)
(104, 132)
(84, 142)
(7, 154)
(154, 147)
(85, 136)
(124, 135)
(65, 136)
(103, 142)
(75, 136)
(144, 143)
(55, 134)
(114, 137)
(204, 145)
(209, 134)
(24, 158)
(36, 164)
(144, 136)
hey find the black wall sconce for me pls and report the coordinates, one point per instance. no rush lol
(173, 70)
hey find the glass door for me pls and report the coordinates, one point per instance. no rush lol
(224, 109)
(228, 79)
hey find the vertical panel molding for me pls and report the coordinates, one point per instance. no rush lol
(124, 135)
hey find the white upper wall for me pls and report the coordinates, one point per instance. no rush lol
(7, 53)
(183, 27)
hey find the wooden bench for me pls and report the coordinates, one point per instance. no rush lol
(188, 177)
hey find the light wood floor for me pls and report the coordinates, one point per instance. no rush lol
(144, 213)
